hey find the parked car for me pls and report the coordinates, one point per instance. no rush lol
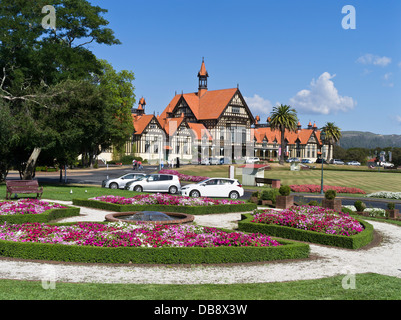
(320, 161)
(214, 187)
(120, 182)
(337, 161)
(252, 160)
(293, 160)
(156, 183)
(214, 161)
(306, 161)
(386, 164)
(205, 161)
(353, 163)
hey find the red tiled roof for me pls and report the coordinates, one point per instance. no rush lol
(199, 130)
(141, 122)
(209, 106)
(303, 135)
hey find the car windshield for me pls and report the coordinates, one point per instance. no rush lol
(204, 181)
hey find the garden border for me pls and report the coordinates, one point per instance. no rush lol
(352, 242)
(195, 210)
(47, 216)
(169, 255)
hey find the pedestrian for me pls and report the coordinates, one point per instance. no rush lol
(134, 164)
(140, 167)
(161, 164)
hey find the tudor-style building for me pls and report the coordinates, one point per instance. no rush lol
(219, 119)
(214, 123)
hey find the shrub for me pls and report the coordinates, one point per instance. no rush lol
(314, 203)
(255, 194)
(270, 194)
(391, 206)
(347, 210)
(360, 206)
(330, 194)
(285, 190)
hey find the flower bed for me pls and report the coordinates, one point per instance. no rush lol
(311, 224)
(311, 188)
(167, 203)
(140, 243)
(33, 210)
(385, 195)
(165, 199)
(183, 177)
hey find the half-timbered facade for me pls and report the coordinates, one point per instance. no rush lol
(214, 123)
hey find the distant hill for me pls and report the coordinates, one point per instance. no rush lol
(368, 140)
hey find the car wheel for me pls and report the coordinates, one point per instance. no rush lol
(113, 185)
(173, 190)
(234, 195)
(195, 194)
(138, 189)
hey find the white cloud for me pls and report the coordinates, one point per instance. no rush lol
(374, 60)
(387, 76)
(322, 98)
(398, 119)
(258, 105)
(399, 64)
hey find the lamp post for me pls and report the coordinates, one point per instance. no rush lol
(322, 138)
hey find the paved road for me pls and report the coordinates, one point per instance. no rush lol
(95, 178)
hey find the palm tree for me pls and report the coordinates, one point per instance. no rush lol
(333, 135)
(283, 118)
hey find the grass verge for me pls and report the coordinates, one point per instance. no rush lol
(368, 287)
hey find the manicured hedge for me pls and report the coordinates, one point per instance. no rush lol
(191, 255)
(199, 210)
(45, 217)
(352, 242)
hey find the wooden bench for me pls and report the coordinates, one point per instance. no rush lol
(23, 186)
(274, 183)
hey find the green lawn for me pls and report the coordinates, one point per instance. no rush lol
(368, 287)
(333, 175)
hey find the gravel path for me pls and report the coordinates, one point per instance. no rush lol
(383, 259)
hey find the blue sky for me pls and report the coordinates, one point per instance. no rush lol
(284, 51)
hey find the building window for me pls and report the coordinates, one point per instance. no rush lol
(236, 110)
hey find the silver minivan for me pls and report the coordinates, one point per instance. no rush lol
(156, 183)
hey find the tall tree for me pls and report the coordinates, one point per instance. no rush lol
(37, 65)
(283, 118)
(333, 135)
(6, 129)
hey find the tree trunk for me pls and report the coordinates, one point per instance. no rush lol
(282, 147)
(29, 173)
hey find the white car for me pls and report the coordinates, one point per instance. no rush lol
(214, 187)
(155, 183)
(252, 160)
(214, 161)
(353, 163)
(386, 164)
(337, 161)
(119, 183)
